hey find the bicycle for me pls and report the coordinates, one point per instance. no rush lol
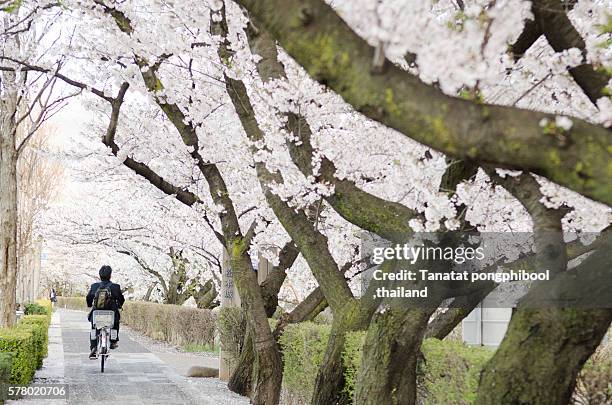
(103, 322)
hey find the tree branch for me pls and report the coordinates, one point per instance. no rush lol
(317, 38)
(547, 228)
(551, 17)
(28, 67)
(187, 131)
(387, 219)
(275, 279)
(145, 267)
(311, 243)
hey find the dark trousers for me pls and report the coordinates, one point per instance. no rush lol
(93, 343)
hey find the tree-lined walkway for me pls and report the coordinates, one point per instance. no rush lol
(133, 375)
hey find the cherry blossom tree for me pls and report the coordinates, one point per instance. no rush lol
(353, 122)
(27, 100)
(108, 207)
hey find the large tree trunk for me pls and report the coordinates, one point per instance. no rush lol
(311, 306)
(329, 383)
(267, 365)
(545, 347)
(8, 202)
(330, 378)
(541, 355)
(390, 355)
(8, 230)
(240, 381)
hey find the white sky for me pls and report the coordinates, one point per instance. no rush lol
(70, 121)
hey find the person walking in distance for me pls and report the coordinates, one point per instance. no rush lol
(52, 297)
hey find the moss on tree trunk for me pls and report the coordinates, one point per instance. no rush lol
(330, 378)
(333, 54)
(329, 384)
(240, 381)
(267, 369)
(545, 347)
(541, 355)
(391, 350)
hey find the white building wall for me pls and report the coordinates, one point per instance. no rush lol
(486, 325)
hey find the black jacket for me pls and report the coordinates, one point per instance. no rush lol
(116, 294)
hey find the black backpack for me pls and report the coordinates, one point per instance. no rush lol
(103, 298)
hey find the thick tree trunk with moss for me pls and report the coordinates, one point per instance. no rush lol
(390, 354)
(545, 347)
(329, 383)
(541, 355)
(389, 365)
(242, 377)
(330, 378)
(240, 381)
(267, 369)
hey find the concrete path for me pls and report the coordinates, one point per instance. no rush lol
(132, 375)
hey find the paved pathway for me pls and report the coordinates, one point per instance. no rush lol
(132, 375)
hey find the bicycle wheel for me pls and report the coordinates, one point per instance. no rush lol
(102, 343)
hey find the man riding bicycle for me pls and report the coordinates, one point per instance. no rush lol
(104, 295)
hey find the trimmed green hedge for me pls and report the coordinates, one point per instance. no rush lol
(24, 345)
(6, 365)
(448, 375)
(34, 308)
(40, 330)
(77, 303)
(175, 324)
(20, 341)
(46, 303)
(451, 371)
(303, 347)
